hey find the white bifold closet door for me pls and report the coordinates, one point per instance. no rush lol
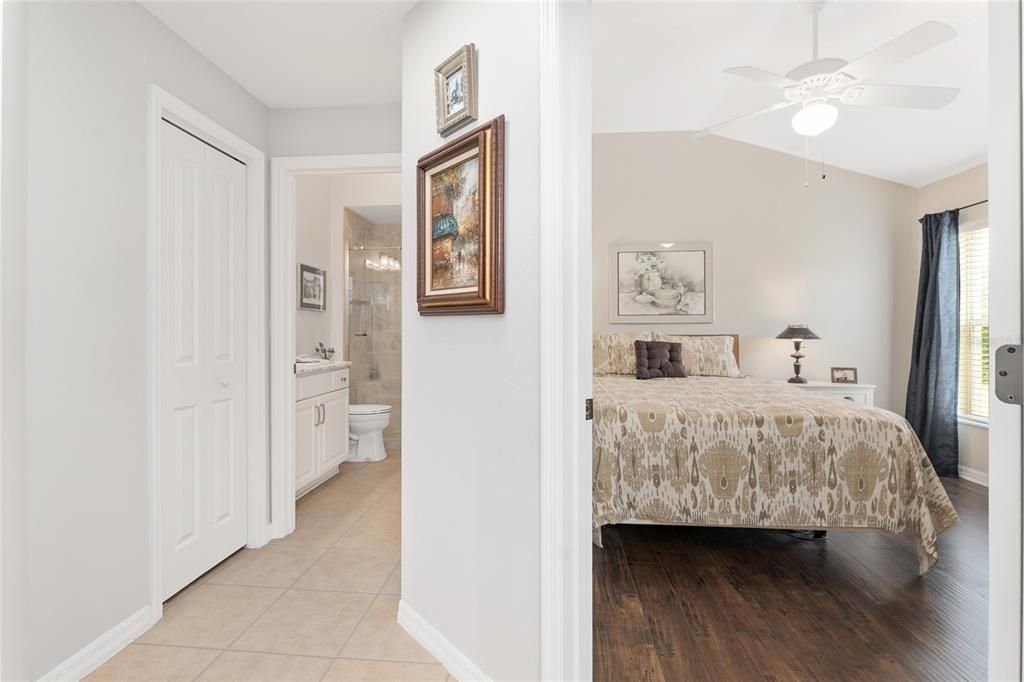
(202, 373)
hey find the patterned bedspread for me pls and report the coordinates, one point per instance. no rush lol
(711, 451)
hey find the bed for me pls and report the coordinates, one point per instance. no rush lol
(745, 452)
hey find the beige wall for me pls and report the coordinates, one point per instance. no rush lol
(313, 247)
(820, 255)
(957, 190)
(320, 241)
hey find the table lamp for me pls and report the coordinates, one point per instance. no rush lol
(798, 333)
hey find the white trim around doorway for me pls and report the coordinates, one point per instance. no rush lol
(283, 171)
(163, 105)
(566, 321)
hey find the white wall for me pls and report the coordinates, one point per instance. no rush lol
(958, 190)
(336, 130)
(470, 463)
(313, 247)
(13, 455)
(820, 255)
(85, 512)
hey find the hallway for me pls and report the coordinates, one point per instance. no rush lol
(317, 605)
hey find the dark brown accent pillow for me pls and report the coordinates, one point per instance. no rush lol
(658, 359)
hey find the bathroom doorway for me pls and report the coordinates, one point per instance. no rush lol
(311, 198)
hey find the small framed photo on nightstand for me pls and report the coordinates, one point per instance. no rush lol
(844, 375)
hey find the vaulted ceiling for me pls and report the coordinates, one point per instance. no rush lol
(659, 66)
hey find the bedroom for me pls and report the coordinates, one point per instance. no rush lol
(755, 236)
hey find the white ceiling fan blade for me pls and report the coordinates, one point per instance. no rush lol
(752, 73)
(912, 43)
(911, 96)
(763, 110)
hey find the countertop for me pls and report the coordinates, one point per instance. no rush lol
(305, 369)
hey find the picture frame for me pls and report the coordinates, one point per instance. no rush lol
(661, 283)
(312, 288)
(455, 90)
(844, 375)
(460, 225)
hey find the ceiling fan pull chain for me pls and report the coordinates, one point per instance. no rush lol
(806, 174)
(823, 160)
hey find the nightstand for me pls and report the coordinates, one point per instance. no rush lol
(858, 393)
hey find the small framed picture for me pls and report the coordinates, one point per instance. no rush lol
(455, 90)
(844, 375)
(312, 288)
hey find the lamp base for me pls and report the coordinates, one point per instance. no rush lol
(798, 380)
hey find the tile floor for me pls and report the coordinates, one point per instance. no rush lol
(317, 605)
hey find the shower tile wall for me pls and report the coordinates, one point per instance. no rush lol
(375, 317)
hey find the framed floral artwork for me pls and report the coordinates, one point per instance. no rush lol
(663, 282)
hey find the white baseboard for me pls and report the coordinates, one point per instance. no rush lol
(974, 475)
(103, 648)
(456, 662)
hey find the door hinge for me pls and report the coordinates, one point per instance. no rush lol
(589, 409)
(1010, 374)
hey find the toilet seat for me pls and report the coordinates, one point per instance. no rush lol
(368, 409)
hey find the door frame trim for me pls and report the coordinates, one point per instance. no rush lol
(565, 265)
(163, 104)
(283, 171)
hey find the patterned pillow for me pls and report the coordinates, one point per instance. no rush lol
(658, 359)
(614, 353)
(705, 356)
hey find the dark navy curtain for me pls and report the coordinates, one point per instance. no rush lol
(934, 364)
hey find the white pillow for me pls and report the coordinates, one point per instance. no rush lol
(705, 356)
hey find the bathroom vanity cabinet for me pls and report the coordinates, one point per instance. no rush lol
(321, 425)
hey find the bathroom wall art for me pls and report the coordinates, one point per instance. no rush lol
(312, 288)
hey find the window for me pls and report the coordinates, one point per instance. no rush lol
(973, 381)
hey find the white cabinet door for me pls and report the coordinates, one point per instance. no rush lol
(334, 429)
(307, 441)
(202, 357)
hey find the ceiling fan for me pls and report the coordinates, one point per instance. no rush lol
(822, 82)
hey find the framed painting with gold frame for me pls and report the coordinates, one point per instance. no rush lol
(460, 241)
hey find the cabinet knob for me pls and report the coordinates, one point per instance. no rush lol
(224, 383)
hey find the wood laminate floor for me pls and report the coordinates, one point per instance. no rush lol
(677, 603)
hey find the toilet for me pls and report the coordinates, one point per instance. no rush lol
(366, 424)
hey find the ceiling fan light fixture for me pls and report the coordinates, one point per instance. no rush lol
(815, 118)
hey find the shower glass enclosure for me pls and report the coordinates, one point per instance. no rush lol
(375, 316)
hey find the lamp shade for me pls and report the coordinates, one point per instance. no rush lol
(797, 332)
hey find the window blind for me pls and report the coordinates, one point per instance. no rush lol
(974, 338)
